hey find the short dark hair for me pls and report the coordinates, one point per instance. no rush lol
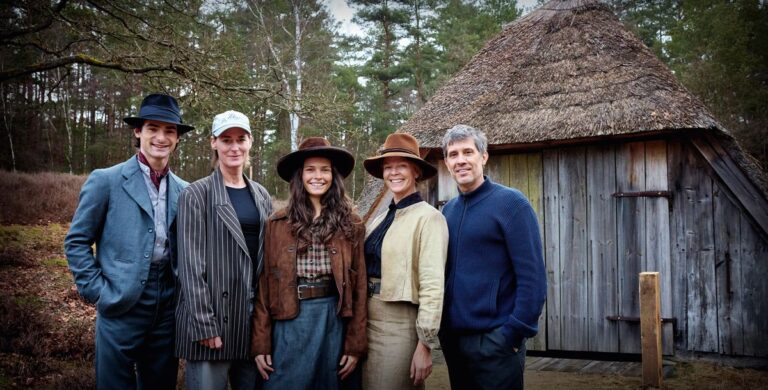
(138, 141)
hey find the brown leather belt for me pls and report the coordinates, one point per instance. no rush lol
(316, 290)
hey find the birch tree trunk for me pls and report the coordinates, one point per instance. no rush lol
(297, 69)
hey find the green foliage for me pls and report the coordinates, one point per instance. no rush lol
(718, 49)
(238, 55)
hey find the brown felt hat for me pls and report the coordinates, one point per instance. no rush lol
(340, 158)
(399, 145)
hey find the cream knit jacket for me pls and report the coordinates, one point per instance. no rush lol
(413, 256)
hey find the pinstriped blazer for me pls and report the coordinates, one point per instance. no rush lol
(217, 277)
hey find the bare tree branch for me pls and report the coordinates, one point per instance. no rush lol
(33, 29)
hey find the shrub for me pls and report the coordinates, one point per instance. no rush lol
(34, 198)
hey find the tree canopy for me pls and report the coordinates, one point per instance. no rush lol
(70, 70)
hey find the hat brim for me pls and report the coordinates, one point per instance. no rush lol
(136, 122)
(373, 165)
(341, 159)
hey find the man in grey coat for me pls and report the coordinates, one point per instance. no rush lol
(128, 212)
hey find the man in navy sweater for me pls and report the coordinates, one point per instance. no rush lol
(495, 282)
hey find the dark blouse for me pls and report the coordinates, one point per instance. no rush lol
(376, 238)
(248, 216)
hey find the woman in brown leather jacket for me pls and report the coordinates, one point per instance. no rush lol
(310, 315)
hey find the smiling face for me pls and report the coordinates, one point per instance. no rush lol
(317, 176)
(399, 176)
(157, 140)
(232, 146)
(466, 163)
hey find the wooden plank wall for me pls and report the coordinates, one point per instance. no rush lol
(693, 235)
(711, 257)
(723, 261)
(630, 172)
(657, 242)
(446, 187)
(601, 224)
(728, 274)
(754, 288)
(574, 268)
(524, 172)
(551, 247)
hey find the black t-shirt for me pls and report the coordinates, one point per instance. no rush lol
(248, 216)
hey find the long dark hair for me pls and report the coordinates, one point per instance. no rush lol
(336, 215)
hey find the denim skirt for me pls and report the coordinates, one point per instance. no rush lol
(306, 350)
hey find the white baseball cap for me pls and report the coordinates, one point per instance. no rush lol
(229, 119)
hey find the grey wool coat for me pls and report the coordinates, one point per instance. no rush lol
(217, 276)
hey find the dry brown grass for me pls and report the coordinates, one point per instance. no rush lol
(38, 198)
(46, 330)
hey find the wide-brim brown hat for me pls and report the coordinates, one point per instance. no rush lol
(340, 158)
(399, 145)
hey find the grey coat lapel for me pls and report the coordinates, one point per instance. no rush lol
(135, 186)
(225, 211)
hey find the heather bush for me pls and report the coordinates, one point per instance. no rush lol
(38, 198)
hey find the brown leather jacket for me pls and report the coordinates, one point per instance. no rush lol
(278, 298)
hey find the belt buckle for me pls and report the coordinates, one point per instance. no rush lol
(299, 291)
(371, 288)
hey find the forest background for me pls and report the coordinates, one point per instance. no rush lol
(70, 70)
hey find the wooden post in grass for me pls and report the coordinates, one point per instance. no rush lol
(650, 329)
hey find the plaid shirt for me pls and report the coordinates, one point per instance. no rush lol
(315, 264)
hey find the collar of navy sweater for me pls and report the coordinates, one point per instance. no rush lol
(478, 192)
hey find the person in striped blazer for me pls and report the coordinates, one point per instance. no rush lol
(221, 249)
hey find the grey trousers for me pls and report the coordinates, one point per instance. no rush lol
(482, 361)
(214, 374)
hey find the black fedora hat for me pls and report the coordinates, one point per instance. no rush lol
(159, 107)
(341, 159)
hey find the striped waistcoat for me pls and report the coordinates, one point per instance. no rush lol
(217, 277)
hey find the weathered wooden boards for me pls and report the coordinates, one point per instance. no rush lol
(630, 170)
(446, 187)
(552, 248)
(711, 256)
(602, 256)
(596, 244)
(719, 262)
(650, 328)
(524, 172)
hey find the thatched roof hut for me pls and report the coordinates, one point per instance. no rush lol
(628, 172)
(568, 70)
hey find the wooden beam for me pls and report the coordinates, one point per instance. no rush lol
(650, 329)
(736, 181)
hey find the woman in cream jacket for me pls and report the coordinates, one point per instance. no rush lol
(405, 252)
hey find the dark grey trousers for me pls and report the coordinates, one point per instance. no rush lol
(482, 361)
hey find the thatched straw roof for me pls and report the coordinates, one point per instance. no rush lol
(567, 70)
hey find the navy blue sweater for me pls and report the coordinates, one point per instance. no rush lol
(495, 272)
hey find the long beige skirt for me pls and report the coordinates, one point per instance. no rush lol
(392, 340)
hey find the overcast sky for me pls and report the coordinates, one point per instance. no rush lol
(343, 13)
